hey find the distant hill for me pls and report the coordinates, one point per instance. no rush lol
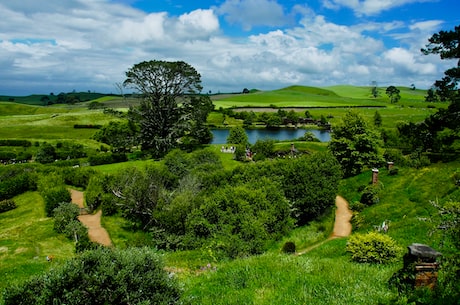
(61, 98)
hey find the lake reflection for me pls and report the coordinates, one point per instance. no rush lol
(220, 135)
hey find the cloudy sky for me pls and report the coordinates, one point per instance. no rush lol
(64, 45)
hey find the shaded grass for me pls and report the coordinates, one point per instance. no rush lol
(26, 238)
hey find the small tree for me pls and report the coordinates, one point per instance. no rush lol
(377, 119)
(393, 94)
(237, 135)
(63, 215)
(355, 144)
(374, 89)
(431, 96)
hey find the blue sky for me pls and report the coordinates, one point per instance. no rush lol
(64, 45)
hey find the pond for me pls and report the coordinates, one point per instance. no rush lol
(281, 134)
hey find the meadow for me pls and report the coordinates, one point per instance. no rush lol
(324, 275)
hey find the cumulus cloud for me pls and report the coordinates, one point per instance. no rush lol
(89, 44)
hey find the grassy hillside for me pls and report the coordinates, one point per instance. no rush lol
(26, 238)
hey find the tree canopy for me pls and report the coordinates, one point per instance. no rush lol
(440, 132)
(447, 45)
(172, 112)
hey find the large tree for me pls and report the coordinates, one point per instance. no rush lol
(354, 144)
(171, 108)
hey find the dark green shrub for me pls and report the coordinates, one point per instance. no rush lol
(53, 197)
(12, 142)
(16, 182)
(7, 156)
(288, 247)
(100, 159)
(263, 149)
(373, 248)
(78, 176)
(370, 195)
(357, 206)
(101, 276)
(46, 153)
(7, 205)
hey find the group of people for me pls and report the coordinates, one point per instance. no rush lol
(225, 149)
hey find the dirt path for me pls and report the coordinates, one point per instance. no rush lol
(96, 232)
(342, 225)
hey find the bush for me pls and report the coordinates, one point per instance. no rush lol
(288, 247)
(14, 183)
(373, 248)
(53, 197)
(370, 195)
(78, 177)
(7, 205)
(101, 276)
(11, 142)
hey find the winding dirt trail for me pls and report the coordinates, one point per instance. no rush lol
(96, 232)
(342, 225)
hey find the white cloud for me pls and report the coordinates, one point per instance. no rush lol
(367, 7)
(89, 44)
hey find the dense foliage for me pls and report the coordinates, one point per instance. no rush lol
(16, 180)
(102, 276)
(189, 201)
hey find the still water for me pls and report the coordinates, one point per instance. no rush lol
(220, 135)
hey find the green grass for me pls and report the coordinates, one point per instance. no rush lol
(321, 277)
(405, 200)
(26, 238)
(295, 96)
